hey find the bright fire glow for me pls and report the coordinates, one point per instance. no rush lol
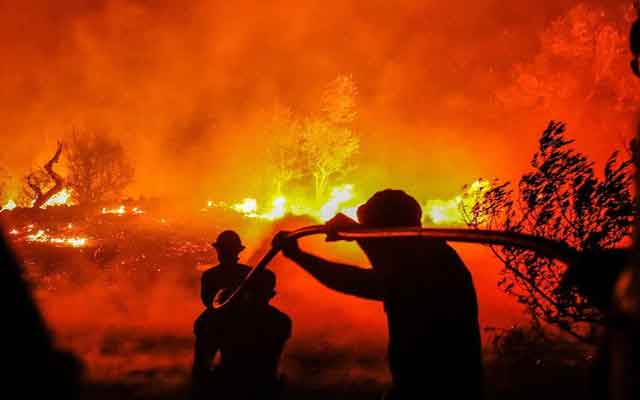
(447, 212)
(339, 195)
(62, 198)
(9, 206)
(342, 199)
(278, 209)
(118, 211)
(42, 237)
(122, 210)
(248, 206)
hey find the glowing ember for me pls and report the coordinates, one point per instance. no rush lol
(62, 198)
(13, 232)
(9, 206)
(118, 211)
(42, 237)
(122, 210)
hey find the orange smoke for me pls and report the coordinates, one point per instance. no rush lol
(447, 92)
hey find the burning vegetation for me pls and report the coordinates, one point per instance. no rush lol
(129, 162)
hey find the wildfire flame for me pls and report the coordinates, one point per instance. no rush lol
(342, 199)
(43, 237)
(9, 206)
(447, 212)
(62, 198)
(247, 207)
(339, 195)
(280, 206)
(122, 210)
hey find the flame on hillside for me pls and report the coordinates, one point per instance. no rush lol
(62, 198)
(122, 210)
(343, 199)
(43, 237)
(448, 212)
(9, 206)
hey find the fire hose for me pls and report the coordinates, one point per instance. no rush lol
(545, 247)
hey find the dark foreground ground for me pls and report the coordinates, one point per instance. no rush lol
(522, 380)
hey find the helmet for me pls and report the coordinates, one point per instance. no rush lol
(229, 241)
(390, 208)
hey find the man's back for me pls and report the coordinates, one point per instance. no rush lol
(432, 314)
(254, 340)
(221, 277)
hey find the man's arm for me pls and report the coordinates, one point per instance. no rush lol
(344, 278)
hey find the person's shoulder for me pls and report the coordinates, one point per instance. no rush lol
(244, 267)
(210, 271)
(282, 318)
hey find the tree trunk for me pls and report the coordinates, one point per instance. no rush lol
(43, 197)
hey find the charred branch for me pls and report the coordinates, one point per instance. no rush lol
(41, 196)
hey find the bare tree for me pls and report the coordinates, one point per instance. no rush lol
(562, 199)
(37, 181)
(99, 169)
(327, 151)
(319, 147)
(338, 101)
(285, 149)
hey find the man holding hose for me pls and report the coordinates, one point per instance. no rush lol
(428, 296)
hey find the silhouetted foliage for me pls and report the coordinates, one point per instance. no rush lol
(564, 199)
(98, 166)
(525, 362)
(285, 151)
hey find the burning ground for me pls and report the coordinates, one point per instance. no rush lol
(121, 289)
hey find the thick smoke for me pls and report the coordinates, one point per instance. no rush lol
(187, 87)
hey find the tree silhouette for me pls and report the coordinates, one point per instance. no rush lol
(338, 101)
(38, 187)
(99, 169)
(319, 147)
(564, 199)
(327, 151)
(285, 149)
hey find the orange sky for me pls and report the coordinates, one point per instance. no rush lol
(187, 85)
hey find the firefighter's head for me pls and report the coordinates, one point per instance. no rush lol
(390, 208)
(228, 245)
